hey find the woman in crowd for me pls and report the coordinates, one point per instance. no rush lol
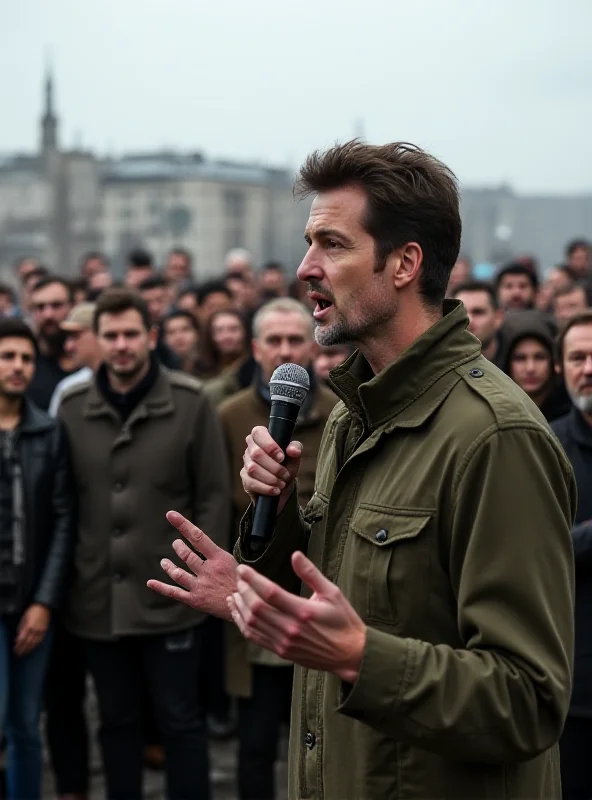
(225, 344)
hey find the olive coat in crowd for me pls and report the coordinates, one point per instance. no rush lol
(169, 454)
(442, 509)
(239, 415)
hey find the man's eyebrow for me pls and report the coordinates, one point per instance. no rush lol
(327, 233)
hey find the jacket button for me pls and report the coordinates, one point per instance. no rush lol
(476, 373)
(117, 532)
(309, 740)
(118, 487)
(117, 577)
(382, 535)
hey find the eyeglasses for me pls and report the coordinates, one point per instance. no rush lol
(55, 305)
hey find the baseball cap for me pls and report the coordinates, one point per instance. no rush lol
(80, 317)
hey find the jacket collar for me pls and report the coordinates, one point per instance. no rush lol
(157, 402)
(34, 420)
(580, 430)
(410, 389)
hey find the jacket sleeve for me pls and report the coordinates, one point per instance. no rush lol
(51, 587)
(503, 696)
(211, 505)
(291, 534)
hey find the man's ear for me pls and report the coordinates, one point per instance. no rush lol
(406, 263)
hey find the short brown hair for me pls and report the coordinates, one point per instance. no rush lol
(411, 197)
(581, 318)
(119, 299)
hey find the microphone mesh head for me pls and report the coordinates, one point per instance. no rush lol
(290, 383)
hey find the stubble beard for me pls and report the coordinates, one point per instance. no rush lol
(128, 373)
(343, 332)
(583, 402)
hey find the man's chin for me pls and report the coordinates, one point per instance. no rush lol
(13, 394)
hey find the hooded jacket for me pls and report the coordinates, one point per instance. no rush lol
(537, 325)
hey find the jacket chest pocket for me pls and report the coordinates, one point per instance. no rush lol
(392, 564)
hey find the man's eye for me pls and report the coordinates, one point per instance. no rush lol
(332, 243)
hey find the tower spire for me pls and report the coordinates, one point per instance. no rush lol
(49, 121)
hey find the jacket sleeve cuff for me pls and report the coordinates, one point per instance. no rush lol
(387, 670)
(290, 534)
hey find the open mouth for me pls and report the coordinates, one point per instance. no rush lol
(322, 307)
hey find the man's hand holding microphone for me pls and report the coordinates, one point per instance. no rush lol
(321, 632)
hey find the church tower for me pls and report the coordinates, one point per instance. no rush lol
(49, 121)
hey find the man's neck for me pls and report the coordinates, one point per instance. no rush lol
(540, 396)
(11, 409)
(397, 336)
(125, 385)
(93, 363)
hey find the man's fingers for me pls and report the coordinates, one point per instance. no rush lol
(257, 473)
(187, 555)
(253, 487)
(193, 534)
(260, 437)
(174, 592)
(310, 575)
(258, 622)
(180, 576)
(273, 594)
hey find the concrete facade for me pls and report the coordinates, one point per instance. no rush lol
(56, 205)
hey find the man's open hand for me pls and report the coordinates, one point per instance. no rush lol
(321, 632)
(211, 579)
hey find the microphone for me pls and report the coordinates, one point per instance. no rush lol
(288, 388)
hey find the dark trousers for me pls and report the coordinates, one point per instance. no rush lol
(575, 748)
(65, 694)
(168, 665)
(259, 722)
(212, 670)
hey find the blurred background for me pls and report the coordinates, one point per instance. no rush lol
(182, 124)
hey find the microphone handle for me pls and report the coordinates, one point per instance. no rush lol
(282, 420)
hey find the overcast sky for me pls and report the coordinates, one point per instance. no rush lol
(500, 90)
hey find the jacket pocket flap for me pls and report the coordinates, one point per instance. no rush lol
(385, 526)
(315, 509)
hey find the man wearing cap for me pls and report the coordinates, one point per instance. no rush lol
(81, 346)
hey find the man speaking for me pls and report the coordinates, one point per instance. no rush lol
(434, 629)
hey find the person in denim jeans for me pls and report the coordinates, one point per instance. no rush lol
(36, 519)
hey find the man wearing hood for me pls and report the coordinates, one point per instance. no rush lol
(528, 359)
(283, 332)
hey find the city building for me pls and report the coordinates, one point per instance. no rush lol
(57, 204)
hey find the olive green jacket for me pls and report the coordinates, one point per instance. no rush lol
(442, 509)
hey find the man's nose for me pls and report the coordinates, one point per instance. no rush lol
(310, 269)
(588, 364)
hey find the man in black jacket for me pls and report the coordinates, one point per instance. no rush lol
(575, 434)
(36, 520)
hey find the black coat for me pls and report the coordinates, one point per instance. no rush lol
(575, 434)
(49, 506)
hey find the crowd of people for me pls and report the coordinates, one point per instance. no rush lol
(122, 400)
